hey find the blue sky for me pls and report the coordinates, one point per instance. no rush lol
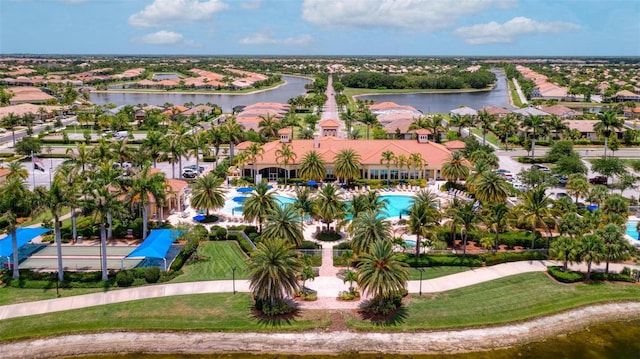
(322, 27)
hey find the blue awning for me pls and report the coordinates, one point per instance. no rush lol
(24, 235)
(156, 245)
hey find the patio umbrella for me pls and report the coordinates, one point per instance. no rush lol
(199, 218)
(312, 183)
(244, 189)
(239, 199)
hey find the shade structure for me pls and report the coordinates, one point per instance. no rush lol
(23, 235)
(156, 245)
(239, 199)
(312, 183)
(244, 189)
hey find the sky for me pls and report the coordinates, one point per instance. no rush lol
(322, 27)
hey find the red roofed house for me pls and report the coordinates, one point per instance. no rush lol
(3, 175)
(329, 127)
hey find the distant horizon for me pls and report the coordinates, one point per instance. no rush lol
(394, 28)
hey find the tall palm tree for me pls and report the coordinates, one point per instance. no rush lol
(491, 187)
(485, 122)
(273, 269)
(572, 224)
(144, 187)
(312, 167)
(304, 202)
(455, 167)
(80, 157)
(122, 151)
(465, 214)
(565, 250)
(197, 143)
(216, 138)
(17, 171)
(254, 151)
(537, 126)
(369, 120)
(232, 132)
(285, 156)
(434, 124)
(557, 126)
(591, 249)
(259, 204)
(427, 197)
(616, 247)
(178, 143)
(102, 202)
(284, 222)
(381, 273)
(348, 117)
(73, 185)
(207, 192)
(153, 145)
(269, 126)
(366, 229)
(578, 186)
(534, 211)
(347, 164)
(387, 157)
(607, 123)
(11, 121)
(496, 220)
(400, 161)
(423, 217)
(416, 161)
(15, 202)
(328, 204)
(507, 126)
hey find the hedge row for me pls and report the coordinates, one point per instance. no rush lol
(574, 276)
(186, 252)
(471, 260)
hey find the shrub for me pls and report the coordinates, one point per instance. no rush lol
(279, 308)
(565, 276)
(349, 295)
(185, 253)
(504, 257)
(435, 260)
(152, 274)
(309, 245)
(383, 306)
(614, 277)
(124, 278)
(329, 237)
(217, 233)
(244, 245)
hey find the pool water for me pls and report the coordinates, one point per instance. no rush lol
(410, 242)
(632, 231)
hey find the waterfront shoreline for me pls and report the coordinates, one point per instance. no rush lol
(324, 342)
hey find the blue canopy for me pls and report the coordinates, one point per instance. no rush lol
(244, 189)
(199, 218)
(24, 235)
(312, 183)
(239, 199)
(156, 245)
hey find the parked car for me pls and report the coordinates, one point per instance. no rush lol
(598, 180)
(562, 180)
(189, 173)
(193, 168)
(541, 168)
(561, 194)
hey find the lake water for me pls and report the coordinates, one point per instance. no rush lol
(293, 88)
(445, 102)
(617, 340)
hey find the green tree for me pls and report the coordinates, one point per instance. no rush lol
(507, 126)
(423, 217)
(578, 186)
(347, 164)
(232, 132)
(207, 192)
(15, 202)
(616, 247)
(307, 274)
(491, 187)
(455, 167)
(572, 224)
(259, 204)
(153, 145)
(607, 124)
(381, 273)
(496, 219)
(537, 126)
(253, 152)
(144, 187)
(328, 205)
(535, 211)
(485, 122)
(27, 146)
(285, 156)
(608, 166)
(312, 167)
(465, 214)
(366, 229)
(369, 120)
(273, 269)
(17, 171)
(591, 249)
(387, 158)
(564, 249)
(284, 222)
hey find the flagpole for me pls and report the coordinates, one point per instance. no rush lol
(33, 169)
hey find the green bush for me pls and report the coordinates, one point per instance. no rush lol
(527, 159)
(565, 276)
(152, 274)
(505, 257)
(281, 307)
(309, 245)
(124, 278)
(438, 260)
(614, 277)
(218, 233)
(186, 252)
(244, 245)
(329, 237)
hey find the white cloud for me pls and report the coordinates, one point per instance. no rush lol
(494, 33)
(251, 5)
(164, 38)
(414, 15)
(266, 38)
(163, 12)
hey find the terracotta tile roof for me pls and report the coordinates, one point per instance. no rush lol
(177, 185)
(585, 126)
(329, 123)
(561, 111)
(24, 108)
(197, 109)
(455, 145)
(23, 94)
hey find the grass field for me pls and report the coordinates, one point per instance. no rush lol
(10, 295)
(435, 272)
(491, 138)
(214, 262)
(501, 301)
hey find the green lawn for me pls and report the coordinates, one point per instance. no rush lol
(435, 272)
(491, 138)
(44, 216)
(11, 295)
(503, 300)
(214, 262)
(202, 312)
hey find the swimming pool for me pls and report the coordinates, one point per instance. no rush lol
(410, 242)
(631, 230)
(396, 206)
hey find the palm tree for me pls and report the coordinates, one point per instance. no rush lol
(434, 124)
(81, 157)
(578, 186)
(366, 229)
(285, 156)
(17, 171)
(347, 164)
(422, 218)
(273, 269)
(387, 157)
(616, 247)
(598, 194)
(154, 145)
(232, 132)
(485, 120)
(369, 120)
(350, 276)
(102, 202)
(178, 141)
(464, 213)
(507, 126)
(307, 273)
(254, 151)
(259, 204)
(303, 202)
(416, 161)
(491, 187)
(537, 126)
(328, 204)
(121, 151)
(146, 185)
(348, 117)
(534, 211)
(73, 182)
(564, 249)
(400, 161)
(455, 168)
(284, 222)
(557, 126)
(425, 197)
(607, 123)
(216, 138)
(312, 167)
(15, 201)
(196, 143)
(381, 272)
(11, 121)
(572, 224)
(207, 192)
(496, 220)
(591, 249)
(269, 126)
